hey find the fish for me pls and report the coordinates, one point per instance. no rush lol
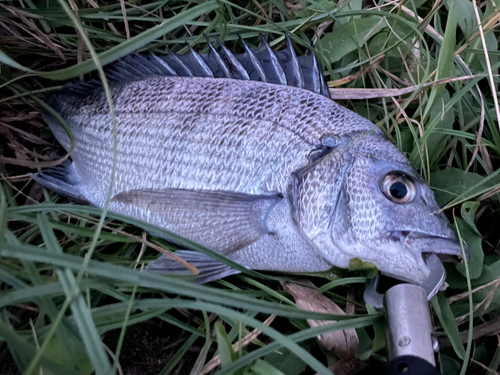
(247, 155)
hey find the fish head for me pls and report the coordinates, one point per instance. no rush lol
(385, 213)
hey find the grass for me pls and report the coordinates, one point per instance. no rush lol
(73, 299)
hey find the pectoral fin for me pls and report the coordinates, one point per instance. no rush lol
(222, 221)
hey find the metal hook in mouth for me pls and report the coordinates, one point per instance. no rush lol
(431, 285)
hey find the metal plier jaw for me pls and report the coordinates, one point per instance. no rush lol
(411, 342)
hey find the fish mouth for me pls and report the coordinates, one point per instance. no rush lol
(447, 248)
(407, 259)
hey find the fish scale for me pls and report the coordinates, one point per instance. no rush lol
(273, 176)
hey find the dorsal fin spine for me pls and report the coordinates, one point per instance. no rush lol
(175, 58)
(232, 60)
(218, 58)
(318, 74)
(202, 64)
(164, 64)
(275, 63)
(255, 62)
(296, 71)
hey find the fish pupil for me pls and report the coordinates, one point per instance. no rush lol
(398, 190)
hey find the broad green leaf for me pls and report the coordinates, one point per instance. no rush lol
(457, 281)
(480, 354)
(365, 345)
(465, 15)
(450, 365)
(451, 183)
(351, 5)
(347, 38)
(18, 344)
(488, 297)
(56, 352)
(393, 35)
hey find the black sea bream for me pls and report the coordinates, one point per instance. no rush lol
(248, 155)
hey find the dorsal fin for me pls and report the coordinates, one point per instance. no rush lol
(262, 64)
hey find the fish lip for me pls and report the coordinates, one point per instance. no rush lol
(448, 248)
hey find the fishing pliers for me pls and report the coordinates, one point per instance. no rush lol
(411, 343)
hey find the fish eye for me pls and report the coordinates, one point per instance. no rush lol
(398, 187)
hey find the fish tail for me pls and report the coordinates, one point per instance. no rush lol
(63, 179)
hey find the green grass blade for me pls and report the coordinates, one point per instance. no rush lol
(443, 311)
(20, 345)
(224, 345)
(83, 317)
(124, 48)
(3, 215)
(178, 356)
(10, 62)
(161, 282)
(446, 58)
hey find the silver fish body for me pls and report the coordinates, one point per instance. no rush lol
(273, 177)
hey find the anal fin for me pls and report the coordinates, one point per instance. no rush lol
(210, 269)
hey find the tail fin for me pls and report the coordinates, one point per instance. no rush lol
(63, 179)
